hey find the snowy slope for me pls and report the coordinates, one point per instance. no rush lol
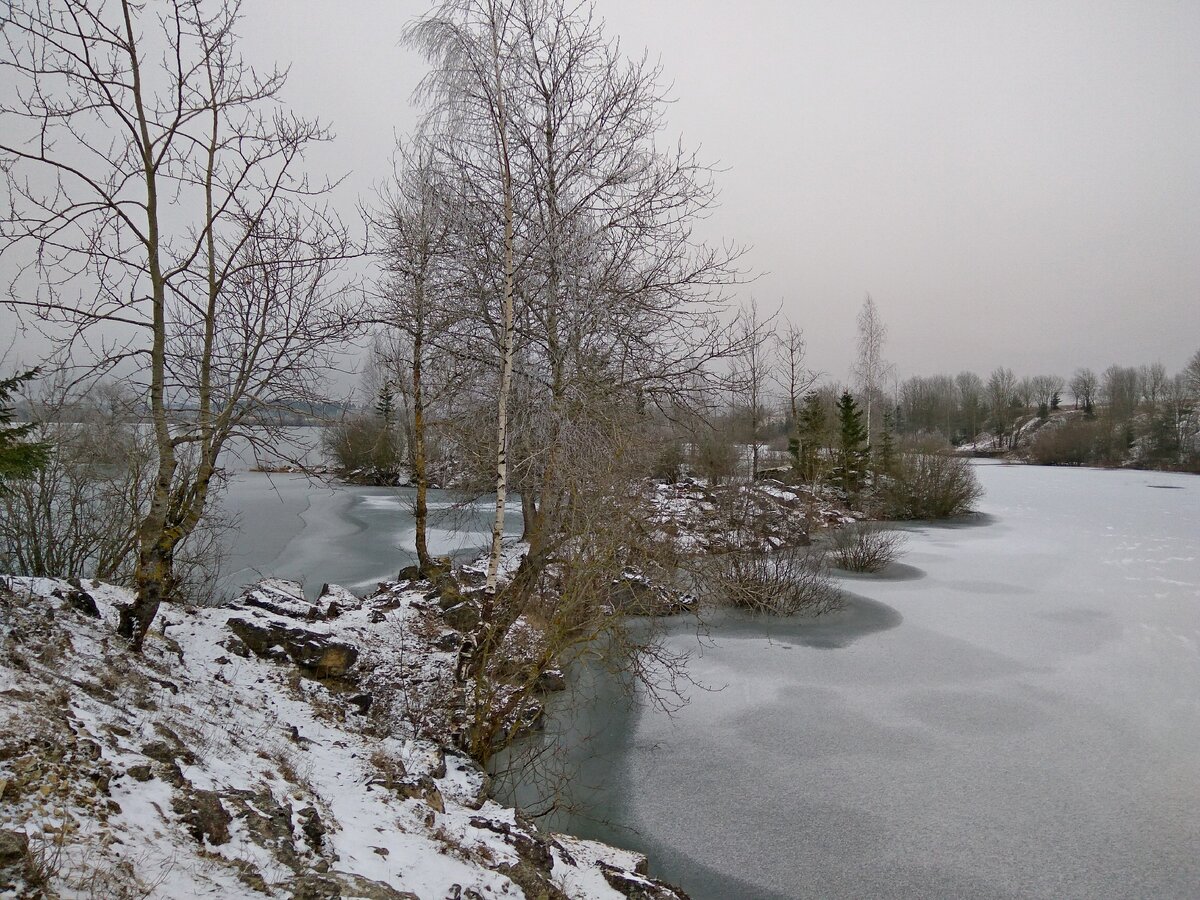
(271, 748)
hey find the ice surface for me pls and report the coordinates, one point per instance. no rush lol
(1029, 729)
(295, 527)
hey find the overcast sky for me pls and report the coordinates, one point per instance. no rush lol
(1015, 183)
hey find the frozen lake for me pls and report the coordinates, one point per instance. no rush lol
(1014, 713)
(313, 532)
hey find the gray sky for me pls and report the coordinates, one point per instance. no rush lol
(1015, 183)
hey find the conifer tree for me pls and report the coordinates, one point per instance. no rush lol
(19, 457)
(885, 451)
(853, 450)
(810, 437)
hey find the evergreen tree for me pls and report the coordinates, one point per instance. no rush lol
(810, 437)
(385, 406)
(853, 451)
(19, 458)
(387, 450)
(885, 452)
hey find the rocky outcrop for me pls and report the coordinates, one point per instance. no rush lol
(279, 624)
(273, 748)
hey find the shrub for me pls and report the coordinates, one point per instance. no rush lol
(77, 516)
(865, 547)
(929, 485)
(1071, 444)
(364, 445)
(716, 457)
(668, 462)
(781, 583)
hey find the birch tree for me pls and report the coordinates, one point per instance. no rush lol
(469, 43)
(164, 233)
(606, 293)
(871, 371)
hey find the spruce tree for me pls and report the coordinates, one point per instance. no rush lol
(810, 437)
(19, 458)
(885, 452)
(385, 406)
(852, 444)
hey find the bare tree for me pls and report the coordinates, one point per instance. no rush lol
(610, 287)
(1191, 374)
(1084, 388)
(1153, 380)
(753, 370)
(927, 403)
(1120, 387)
(420, 302)
(1045, 390)
(871, 371)
(470, 44)
(794, 377)
(971, 397)
(171, 238)
(1002, 397)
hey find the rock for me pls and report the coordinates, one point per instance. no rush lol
(203, 816)
(252, 878)
(356, 887)
(550, 681)
(344, 886)
(316, 887)
(534, 882)
(528, 844)
(638, 887)
(362, 702)
(462, 616)
(336, 599)
(420, 788)
(409, 573)
(284, 598)
(448, 641)
(422, 757)
(236, 646)
(16, 863)
(312, 826)
(316, 654)
(163, 752)
(470, 786)
(140, 773)
(268, 823)
(79, 599)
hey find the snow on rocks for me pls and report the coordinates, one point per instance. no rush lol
(761, 515)
(270, 748)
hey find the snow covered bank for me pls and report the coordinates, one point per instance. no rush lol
(274, 747)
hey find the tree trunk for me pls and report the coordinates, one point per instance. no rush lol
(506, 336)
(420, 468)
(152, 579)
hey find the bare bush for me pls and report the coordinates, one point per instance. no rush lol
(364, 446)
(78, 516)
(1071, 444)
(928, 484)
(865, 547)
(782, 583)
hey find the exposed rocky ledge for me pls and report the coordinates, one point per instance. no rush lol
(271, 748)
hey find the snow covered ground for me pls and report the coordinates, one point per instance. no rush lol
(272, 748)
(1025, 725)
